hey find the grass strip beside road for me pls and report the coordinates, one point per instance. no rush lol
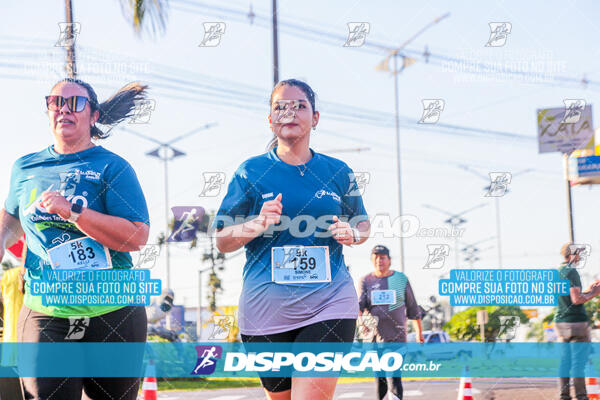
(174, 384)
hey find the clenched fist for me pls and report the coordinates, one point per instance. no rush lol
(341, 232)
(55, 203)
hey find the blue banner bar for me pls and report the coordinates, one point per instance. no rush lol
(503, 287)
(300, 359)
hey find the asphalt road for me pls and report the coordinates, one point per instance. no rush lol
(483, 389)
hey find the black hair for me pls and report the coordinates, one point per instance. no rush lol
(306, 89)
(114, 110)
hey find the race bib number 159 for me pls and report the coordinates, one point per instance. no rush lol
(300, 264)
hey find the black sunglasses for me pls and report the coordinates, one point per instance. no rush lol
(74, 103)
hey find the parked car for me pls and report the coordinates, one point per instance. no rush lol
(438, 352)
(431, 337)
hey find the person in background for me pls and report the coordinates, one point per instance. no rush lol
(573, 325)
(387, 295)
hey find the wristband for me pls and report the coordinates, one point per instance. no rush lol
(356, 234)
(76, 210)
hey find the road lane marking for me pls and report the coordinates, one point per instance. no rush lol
(473, 390)
(351, 395)
(227, 397)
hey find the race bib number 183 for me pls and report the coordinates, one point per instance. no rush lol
(82, 253)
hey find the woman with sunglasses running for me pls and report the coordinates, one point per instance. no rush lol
(77, 192)
(296, 286)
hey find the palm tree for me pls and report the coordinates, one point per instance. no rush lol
(151, 14)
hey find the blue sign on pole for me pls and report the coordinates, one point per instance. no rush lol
(584, 167)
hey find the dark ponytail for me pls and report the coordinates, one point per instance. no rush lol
(114, 110)
(306, 89)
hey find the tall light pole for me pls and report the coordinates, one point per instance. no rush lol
(166, 153)
(199, 313)
(220, 265)
(71, 66)
(455, 221)
(384, 66)
(496, 203)
(569, 198)
(471, 250)
(275, 46)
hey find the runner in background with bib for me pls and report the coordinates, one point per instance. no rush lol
(296, 286)
(81, 207)
(388, 296)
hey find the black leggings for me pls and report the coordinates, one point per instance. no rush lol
(392, 384)
(333, 330)
(127, 324)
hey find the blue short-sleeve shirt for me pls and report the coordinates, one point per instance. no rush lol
(327, 188)
(97, 179)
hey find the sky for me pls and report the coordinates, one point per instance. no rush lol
(234, 81)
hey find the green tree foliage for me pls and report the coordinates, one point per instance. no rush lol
(210, 255)
(149, 14)
(592, 309)
(463, 325)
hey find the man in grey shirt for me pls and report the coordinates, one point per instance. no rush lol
(387, 295)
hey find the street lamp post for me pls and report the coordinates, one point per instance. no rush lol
(166, 153)
(455, 221)
(471, 250)
(496, 204)
(384, 66)
(275, 46)
(199, 313)
(71, 66)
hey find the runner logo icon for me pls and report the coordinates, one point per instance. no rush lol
(207, 359)
(357, 33)
(77, 326)
(499, 32)
(212, 34)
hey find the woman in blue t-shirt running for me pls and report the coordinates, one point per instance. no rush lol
(77, 194)
(300, 207)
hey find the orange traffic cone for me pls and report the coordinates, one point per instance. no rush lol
(465, 389)
(149, 387)
(591, 383)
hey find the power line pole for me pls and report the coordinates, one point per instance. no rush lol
(275, 47)
(455, 220)
(384, 66)
(398, 172)
(71, 66)
(165, 152)
(569, 198)
(498, 232)
(488, 190)
(471, 250)
(199, 312)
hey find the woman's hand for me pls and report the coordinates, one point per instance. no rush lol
(341, 232)
(270, 213)
(234, 237)
(594, 287)
(55, 203)
(22, 272)
(116, 233)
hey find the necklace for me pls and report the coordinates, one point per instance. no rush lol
(301, 171)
